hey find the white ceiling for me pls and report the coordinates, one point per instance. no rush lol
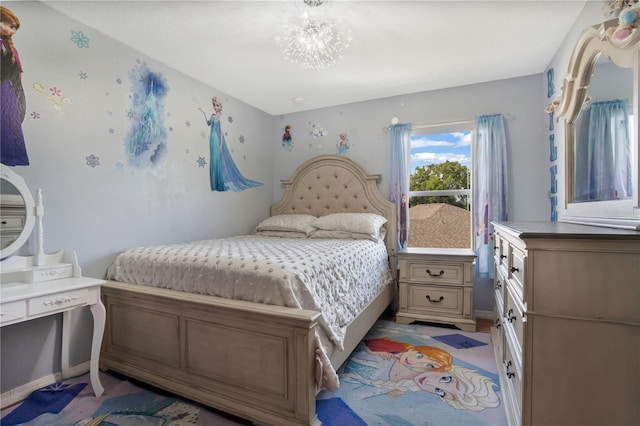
(398, 46)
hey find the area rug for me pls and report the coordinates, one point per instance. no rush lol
(123, 403)
(416, 374)
(399, 375)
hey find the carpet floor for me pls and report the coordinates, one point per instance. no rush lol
(399, 375)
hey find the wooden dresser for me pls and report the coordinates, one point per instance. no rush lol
(567, 331)
(436, 285)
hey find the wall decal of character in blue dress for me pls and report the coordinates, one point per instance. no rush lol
(225, 176)
(13, 105)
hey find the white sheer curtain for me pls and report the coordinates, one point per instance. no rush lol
(609, 159)
(399, 147)
(489, 186)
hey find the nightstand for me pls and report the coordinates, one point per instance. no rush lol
(436, 285)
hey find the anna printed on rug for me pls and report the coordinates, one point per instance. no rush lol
(416, 374)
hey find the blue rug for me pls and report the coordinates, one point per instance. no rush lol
(51, 399)
(410, 375)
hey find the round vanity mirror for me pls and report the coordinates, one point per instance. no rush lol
(16, 212)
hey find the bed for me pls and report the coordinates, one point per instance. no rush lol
(260, 361)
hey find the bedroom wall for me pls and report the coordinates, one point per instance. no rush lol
(79, 87)
(365, 124)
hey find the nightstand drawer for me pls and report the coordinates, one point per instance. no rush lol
(433, 299)
(434, 273)
(12, 311)
(64, 300)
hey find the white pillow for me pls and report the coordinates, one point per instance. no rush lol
(346, 235)
(281, 234)
(361, 223)
(289, 223)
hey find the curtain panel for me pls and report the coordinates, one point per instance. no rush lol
(489, 187)
(399, 147)
(609, 159)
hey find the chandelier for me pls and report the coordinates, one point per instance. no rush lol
(313, 40)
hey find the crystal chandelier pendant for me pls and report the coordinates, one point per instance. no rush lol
(313, 41)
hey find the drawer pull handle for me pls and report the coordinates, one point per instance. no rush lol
(60, 300)
(514, 269)
(435, 275)
(498, 285)
(511, 317)
(4, 222)
(435, 301)
(498, 325)
(510, 374)
(503, 256)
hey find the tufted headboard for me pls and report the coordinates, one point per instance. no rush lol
(333, 184)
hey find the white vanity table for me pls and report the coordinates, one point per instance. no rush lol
(41, 285)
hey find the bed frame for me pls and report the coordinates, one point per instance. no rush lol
(252, 360)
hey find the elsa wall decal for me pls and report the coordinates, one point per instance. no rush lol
(224, 173)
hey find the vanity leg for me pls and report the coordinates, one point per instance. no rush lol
(99, 316)
(64, 361)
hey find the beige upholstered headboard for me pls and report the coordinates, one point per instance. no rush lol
(333, 184)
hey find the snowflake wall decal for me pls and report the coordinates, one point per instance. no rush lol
(81, 40)
(241, 139)
(119, 165)
(93, 161)
(83, 75)
(201, 162)
(35, 115)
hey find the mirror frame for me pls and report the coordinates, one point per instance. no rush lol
(16, 180)
(593, 42)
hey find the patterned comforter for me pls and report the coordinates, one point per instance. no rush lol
(337, 277)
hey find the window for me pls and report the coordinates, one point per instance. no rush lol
(440, 187)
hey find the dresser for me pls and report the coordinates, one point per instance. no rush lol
(436, 285)
(567, 326)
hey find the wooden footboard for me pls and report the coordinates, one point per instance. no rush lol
(251, 360)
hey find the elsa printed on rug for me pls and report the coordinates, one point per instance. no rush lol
(415, 375)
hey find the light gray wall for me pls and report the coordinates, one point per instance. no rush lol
(98, 211)
(519, 99)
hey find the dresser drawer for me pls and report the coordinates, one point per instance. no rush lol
(432, 272)
(517, 271)
(499, 288)
(11, 223)
(12, 311)
(499, 329)
(64, 300)
(434, 299)
(513, 374)
(501, 252)
(513, 323)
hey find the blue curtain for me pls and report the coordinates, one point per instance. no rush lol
(489, 186)
(609, 159)
(399, 146)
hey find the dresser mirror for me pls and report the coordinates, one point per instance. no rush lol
(600, 108)
(17, 212)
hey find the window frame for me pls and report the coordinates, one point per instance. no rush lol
(437, 129)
